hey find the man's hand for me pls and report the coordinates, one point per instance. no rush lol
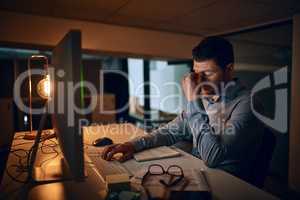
(127, 149)
(189, 85)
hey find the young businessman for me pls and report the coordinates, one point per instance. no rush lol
(217, 119)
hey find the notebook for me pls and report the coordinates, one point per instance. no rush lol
(156, 154)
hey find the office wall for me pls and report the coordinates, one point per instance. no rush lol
(6, 78)
(47, 31)
(294, 148)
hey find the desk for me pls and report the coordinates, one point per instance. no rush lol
(223, 185)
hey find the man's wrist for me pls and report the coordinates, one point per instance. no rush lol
(195, 107)
(137, 143)
(191, 98)
(131, 145)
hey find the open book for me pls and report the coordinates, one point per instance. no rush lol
(156, 153)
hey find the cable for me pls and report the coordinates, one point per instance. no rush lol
(21, 168)
(15, 178)
(17, 170)
(29, 157)
(20, 157)
(45, 161)
(52, 147)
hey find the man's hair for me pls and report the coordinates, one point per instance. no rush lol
(214, 48)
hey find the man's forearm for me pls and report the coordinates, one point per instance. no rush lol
(207, 141)
(168, 134)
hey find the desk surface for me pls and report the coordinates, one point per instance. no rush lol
(223, 185)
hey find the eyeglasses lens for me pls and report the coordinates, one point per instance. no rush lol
(156, 170)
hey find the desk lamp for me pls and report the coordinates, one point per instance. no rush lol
(43, 90)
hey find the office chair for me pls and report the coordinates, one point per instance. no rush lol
(263, 159)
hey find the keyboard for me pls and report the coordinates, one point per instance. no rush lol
(102, 166)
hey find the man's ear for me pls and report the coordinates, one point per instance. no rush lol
(229, 71)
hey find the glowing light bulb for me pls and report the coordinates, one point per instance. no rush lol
(44, 87)
(25, 119)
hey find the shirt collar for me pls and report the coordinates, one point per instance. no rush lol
(232, 89)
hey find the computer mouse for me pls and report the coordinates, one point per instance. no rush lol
(100, 142)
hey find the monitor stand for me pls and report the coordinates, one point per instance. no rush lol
(55, 171)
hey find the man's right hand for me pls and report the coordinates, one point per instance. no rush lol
(190, 87)
(127, 149)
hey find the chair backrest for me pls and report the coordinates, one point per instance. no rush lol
(263, 159)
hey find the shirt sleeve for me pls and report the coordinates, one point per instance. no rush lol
(167, 134)
(232, 137)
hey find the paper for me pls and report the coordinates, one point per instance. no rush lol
(156, 153)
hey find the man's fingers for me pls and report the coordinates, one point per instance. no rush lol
(185, 77)
(106, 151)
(117, 149)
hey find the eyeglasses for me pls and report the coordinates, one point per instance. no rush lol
(172, 170)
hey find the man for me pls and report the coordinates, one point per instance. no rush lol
(217, 119)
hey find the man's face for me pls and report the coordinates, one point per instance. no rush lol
(209, 75)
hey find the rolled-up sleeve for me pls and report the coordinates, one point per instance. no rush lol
(167, 134)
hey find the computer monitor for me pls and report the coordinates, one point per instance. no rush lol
(66, 60)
